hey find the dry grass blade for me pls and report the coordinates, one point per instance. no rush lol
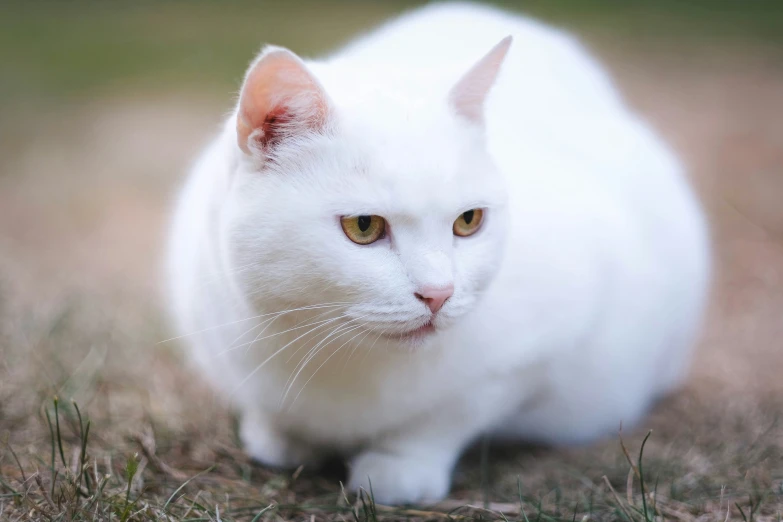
(44, 493)
(626, 453)
(146, 443)
(182, 486)
(617, 498)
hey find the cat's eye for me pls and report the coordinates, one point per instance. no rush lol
(468, 222)
(364, 230)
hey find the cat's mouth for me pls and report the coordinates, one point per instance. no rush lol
(413, 335)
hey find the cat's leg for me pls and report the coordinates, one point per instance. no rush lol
(268, 445)
(414, 463)
(405, 470)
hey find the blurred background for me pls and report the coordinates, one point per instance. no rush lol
(104, 104)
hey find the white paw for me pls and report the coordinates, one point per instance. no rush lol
(397, 479)
(269, 447)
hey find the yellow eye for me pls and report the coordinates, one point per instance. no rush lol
(468, 222)
(364, 230)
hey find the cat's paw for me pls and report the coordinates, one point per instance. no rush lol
(397, 479)
(270, 447)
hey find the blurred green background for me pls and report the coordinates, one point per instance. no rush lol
(54, 51)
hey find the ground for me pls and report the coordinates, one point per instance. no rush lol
(85, 187)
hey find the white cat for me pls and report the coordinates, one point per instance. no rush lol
(390, 251)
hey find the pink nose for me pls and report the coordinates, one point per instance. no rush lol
(434, 297)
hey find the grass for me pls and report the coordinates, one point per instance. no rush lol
(143, 461)
(87, 487)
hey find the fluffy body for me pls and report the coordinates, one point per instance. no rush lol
(574, 306)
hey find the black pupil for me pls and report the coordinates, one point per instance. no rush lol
(364, 223)
(468, 216)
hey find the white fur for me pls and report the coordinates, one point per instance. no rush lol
(574, 306)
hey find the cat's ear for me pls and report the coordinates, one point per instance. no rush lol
(279, 99)
(468, 95)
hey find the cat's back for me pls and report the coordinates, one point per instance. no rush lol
(441, 41)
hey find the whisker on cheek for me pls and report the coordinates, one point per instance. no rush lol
(329, 333)
(259, 337)
(239, 321)
(342, 329)
(275, 354)
(327, 360)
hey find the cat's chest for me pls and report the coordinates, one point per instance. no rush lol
(351, 402)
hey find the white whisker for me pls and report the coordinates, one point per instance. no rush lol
(309, 307)
(259, 338)
(367, 332)
(302, 346)
(312, 353)
(299, 325)
(263, 363)
(367, 352)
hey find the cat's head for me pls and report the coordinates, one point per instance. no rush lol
(377, 213)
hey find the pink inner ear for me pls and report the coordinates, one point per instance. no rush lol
(279, 98)
(273, 127)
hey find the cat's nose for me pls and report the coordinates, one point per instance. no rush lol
(434, 297)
